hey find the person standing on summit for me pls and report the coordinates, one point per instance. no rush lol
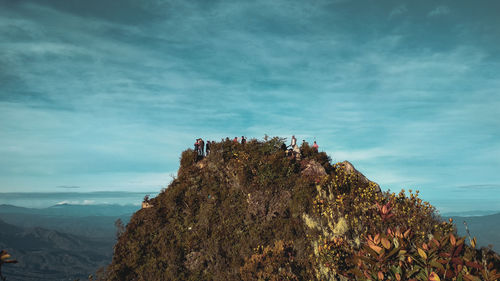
(293, 142)
(196, 145)
(196, 150)
(315, 146)
(207, 147)
(202, 147)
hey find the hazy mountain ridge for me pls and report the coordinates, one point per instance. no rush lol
(62, 242)
(485, 228)
(72, 210)
(84, 220)
(45, 254)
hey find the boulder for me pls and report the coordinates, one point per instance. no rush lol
(349, 168)
(313, 169)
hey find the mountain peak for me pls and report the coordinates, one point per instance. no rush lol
(256, 211)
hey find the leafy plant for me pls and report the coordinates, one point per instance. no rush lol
(5, 258)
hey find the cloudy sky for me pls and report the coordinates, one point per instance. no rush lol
(104, 95)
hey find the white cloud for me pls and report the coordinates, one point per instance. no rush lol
(399, 10)
(439, 11)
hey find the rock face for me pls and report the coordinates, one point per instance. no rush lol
(221, 214)
(349, 168)
(313, 169)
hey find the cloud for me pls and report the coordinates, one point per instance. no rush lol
(399, 10)
(94, 99)
(480, 187)
(68, 186)
(78, 202)
(439, 11)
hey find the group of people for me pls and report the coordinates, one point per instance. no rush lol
(293, 149)
(243, 140)
(202, 149)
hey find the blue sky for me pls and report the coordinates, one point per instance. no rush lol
(104, 95)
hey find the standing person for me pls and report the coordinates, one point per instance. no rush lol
(243, 140)
(235, 140)
(295, 148)
(202, 147)
(196, 145)
(283, 146)
(315, 146)
(196, 150)
(207, 147)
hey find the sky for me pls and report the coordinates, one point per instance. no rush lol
(102, 95)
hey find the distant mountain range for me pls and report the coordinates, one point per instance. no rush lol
(94, 221)
(69, 210)
(62, 242)
(47, 199)
(45, 254)
(473, 213)
(485, 228)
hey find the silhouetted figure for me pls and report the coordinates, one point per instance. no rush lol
(243, 140)
(196, 149)
(202, 147)
(283, 146)
(315, 146)
(207, 147)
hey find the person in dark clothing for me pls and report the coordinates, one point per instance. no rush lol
(207, 147)
(243, 140)
(196, 149)
(283, 146)
(202, 147)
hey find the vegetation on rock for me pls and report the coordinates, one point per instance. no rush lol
(249, 212)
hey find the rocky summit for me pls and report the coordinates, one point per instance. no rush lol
(254, 211)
